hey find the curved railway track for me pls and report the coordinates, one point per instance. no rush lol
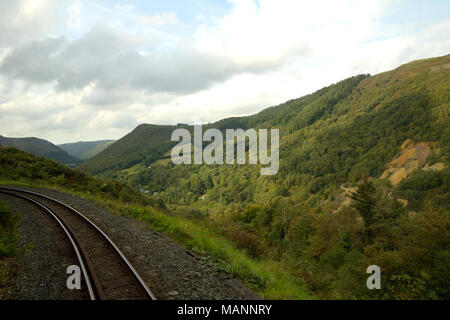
(107, 274)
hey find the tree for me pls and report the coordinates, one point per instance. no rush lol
(365, 203)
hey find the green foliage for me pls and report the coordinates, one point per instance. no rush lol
(421, 185)
(300, 231)
(334, 257)
(420, 181)
(414, 268)
(39, 147)
(365, 202)
(8, 232)
(268, 278)
(21, 167)
(145, 144)
(334, 136)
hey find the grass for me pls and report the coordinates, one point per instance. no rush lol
(9, 238)
(8, 232)
(268, 278)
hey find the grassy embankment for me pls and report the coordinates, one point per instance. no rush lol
(8, 232)
(8, 245)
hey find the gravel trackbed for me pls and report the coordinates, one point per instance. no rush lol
(169, 269)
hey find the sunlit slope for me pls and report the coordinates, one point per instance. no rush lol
(336, 135)
(333, 136)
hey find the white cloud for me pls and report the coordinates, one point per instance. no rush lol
(74, 16)
(159, 19)
(24, 20)
(273, 31)
(123, 67)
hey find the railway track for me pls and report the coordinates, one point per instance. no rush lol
(106, 272)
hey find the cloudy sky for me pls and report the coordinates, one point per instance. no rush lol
(87, 70)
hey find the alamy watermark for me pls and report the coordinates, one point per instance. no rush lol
(214, 152)
(374, 281)
(74, 280)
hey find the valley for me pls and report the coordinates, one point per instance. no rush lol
(363, 180)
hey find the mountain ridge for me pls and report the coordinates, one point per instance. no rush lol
(333, 136)
(39, 147)
(132, 148)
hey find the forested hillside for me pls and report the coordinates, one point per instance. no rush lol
(363, 164)
(337, 135)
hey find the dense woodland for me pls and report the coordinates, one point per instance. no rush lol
(344, 134)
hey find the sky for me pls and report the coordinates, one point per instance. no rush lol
(90, 70)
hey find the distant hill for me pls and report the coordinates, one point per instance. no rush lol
(39, 147)
(86, 149)
(145, 144)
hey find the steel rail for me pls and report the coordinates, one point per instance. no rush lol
(68, 235)
(141, 282)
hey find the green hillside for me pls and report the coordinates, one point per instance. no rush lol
(39, 147)
(346, 141)
(85, 150)
(144, 144)
(333, 136)
(23, 168)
